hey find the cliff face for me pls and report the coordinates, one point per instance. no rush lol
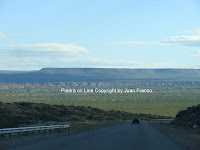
(188, 117)
(108, 84)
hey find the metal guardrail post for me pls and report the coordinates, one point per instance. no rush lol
(10, 135)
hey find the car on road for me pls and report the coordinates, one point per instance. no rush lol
(135, 121)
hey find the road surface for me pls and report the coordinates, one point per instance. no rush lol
(123, 136)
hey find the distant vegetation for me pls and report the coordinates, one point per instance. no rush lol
(164, 101)
(173, 89)
(23, 114)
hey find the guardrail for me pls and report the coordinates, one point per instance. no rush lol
(10, 131)
(162, 119)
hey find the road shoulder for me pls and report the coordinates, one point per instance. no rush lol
(185, 140)
(7, 144)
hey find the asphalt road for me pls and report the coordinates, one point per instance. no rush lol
(123, 136)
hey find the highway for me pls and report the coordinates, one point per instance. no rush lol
(123, 136)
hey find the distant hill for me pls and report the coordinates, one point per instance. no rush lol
(12, 72)
(23, 114)
(99, 74)
(188, 117)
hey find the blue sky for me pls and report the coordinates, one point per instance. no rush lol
(90, 33)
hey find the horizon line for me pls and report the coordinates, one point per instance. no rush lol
(93, 68)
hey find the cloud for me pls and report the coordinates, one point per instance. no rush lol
(183, 40)
(197, 31)
(197, 53)
(43, 49)
(132, 43)
(4, 36)
(37, 56)
(81, 61)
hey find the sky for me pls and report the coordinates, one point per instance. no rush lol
(37, 34)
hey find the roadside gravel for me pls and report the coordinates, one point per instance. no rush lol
(187, 141)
